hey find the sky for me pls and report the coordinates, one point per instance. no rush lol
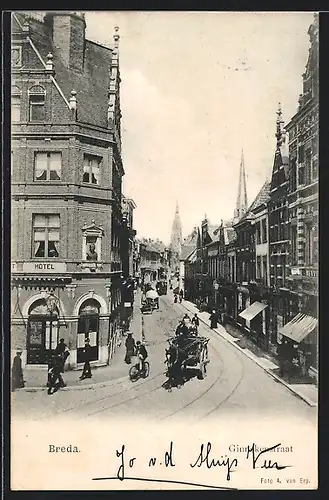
(196, 88)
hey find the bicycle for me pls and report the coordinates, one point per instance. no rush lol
(136, 373)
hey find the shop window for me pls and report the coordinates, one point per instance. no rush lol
(47, 166)
(46, 235)
(91, 169)
(88, 327)
(37, 101)
(42, 332)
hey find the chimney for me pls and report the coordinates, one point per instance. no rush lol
(68, 31)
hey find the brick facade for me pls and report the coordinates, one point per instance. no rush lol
(88, 211)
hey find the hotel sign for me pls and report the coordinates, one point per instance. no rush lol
(39, 267)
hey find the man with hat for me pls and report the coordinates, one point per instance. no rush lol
(86, 372)
(17, 372)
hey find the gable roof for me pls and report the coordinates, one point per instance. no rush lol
(261, 198)
(91, 84)
(186, 251)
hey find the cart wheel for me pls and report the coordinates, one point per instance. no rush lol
(202, 372)
(146, 370)
(133, 373)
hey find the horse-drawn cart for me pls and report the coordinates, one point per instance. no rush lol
(187, 352)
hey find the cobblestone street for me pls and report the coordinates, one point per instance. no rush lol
(234, 383)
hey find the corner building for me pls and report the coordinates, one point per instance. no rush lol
(66, 189)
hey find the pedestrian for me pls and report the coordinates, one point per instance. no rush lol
(285, 359)
(213, 319)
(175, 298)
(130, 348)
(142, 354)
(17, 372)
(86, 372)
(195, 320)
(63, 351)
(55, 378)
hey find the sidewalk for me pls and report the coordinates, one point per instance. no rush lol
(306, 392)
(36, 380)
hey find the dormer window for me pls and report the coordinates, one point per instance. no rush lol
(37, 98)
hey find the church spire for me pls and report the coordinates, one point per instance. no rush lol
(176, 239)
(242, 201)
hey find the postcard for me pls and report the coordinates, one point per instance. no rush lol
(164, 294)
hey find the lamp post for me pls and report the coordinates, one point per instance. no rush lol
(51, 302)
(216, 286)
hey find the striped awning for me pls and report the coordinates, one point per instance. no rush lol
(299, 327)
(252, 311)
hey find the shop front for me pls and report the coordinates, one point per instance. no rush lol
(301, 331)
(256, 320)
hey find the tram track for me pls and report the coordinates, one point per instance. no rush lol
(141, 393)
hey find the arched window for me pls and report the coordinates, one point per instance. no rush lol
(88, 327)
(43, 332)
(37, 96)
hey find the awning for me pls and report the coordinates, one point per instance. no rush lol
(252, 311)
(299, 327)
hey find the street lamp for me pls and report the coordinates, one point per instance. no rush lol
(51, 302)
(216, 287)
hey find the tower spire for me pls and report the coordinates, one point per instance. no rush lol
(176, 239)
(242, 200)
(279, 123)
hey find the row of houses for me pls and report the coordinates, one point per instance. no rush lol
(151, 259)
(261, 268)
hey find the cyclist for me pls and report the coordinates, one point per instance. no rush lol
(142, 354)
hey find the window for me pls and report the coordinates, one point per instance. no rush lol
(258, 238)
(46, 235)
(91, 169)
(47, 166)
(264, 231)
(259, 267)
(301, 151)
(293, 175)
(264, 258)
(88, 327)
(15, 108)
(301, 175)
(311, 245)
(293, 251)
(37, 96)
(308, 167)
(315, 169)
